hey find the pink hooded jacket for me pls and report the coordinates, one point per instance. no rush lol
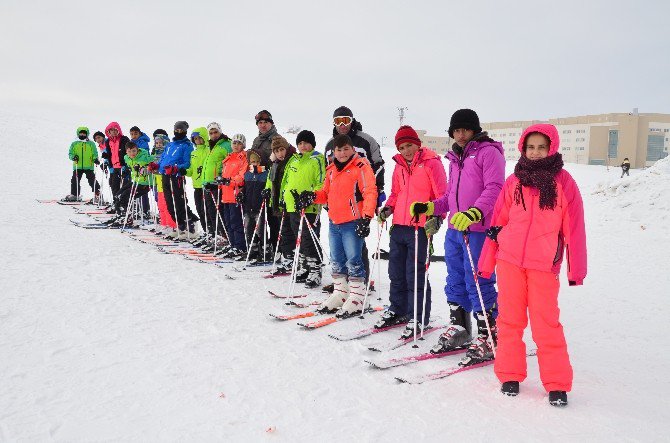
(424, 180)
(536, 239)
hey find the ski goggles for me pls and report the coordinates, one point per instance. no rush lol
(342, 120)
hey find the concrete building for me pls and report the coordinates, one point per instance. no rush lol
(590, 139)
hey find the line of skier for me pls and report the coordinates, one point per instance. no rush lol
(265, 202)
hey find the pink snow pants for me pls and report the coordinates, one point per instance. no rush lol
(535, 292)
(163, 213)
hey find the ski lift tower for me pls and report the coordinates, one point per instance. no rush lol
(401, 114)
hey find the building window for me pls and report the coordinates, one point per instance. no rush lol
(566, 148)
(655, 148)
(613, 144)
(567, 131)
(595, 161)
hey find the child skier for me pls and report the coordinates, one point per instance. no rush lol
(200, 140)
(137, 161)
(305, 171)
(538, 215)
(251, 197)
(84, 156)
(625, 167)
(140, 138)
(232, 179)
(115, 151)
(351, 194)
(282, 152)
(476, 175)
(167, 223)
(418, 176)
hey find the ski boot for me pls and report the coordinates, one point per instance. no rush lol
(558, 398)
(285, 265)
(338, 297)
(390, 318)
(408, 332)
(70, 198)
(457, 335)
(313, 279)
(510, 388)
(481, 349)
(303, 270)
(354, 303)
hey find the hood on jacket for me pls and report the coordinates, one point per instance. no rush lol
(83, 129)
(201, 132)
(543, 128)
(421, 155)
(113, 125)
(355, 127)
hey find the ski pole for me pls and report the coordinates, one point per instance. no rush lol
(296, 254)
(253, 236)
(315, 239)
(374, 257)
(204, 207)
(244, 228)
(76, 175)
(479, 292)
(266, 228)
(274, 258)
(174, 205)
(131, 201)
(416, 271)
(429, 240)
(216, 222)
(188, 225)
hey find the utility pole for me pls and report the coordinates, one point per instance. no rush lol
(401, 114)
(383, 140)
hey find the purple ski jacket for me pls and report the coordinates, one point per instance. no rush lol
(475, 179)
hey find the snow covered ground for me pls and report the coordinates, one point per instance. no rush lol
(105, 339)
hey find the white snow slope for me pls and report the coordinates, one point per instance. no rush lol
(105, 339)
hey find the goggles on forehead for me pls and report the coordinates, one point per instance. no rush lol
(342, 121)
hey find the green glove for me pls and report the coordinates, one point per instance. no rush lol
(384, 213)
(432, 225)
(462, 220)
(418, 208)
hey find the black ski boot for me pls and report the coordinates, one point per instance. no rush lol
(510, 388)
(558, 398)
(481, 349)
(390, 318)
(457, 335)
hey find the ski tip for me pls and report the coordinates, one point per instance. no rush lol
(374, 349)
(401, 380)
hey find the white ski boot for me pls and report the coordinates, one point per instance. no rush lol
(338, 297)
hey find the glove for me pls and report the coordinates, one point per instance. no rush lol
(223, 181)
(96, 161)
(462, 220)
(211, 187)
(306, 198)
(168, 170)
(182, 171)
(142, 171)
(493, 232)
(363, 227)
(381, 198)
(384, 213)
(199, 170)
(75, 159)
(432, 225)
(153, 167)
(136, 168)
(418, 208)
(103, 166)
(266, 194)
(282, 205)
(239, 198)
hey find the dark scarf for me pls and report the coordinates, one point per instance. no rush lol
(539, 174)
(340, 165)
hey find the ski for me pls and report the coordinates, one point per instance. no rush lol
(385, 347)
(330, 320)
(463, 366)
(277, 275)
(275, 295)
(363, 332)
(401, 361)
(46, 201)
(61, 202)
(284, 317)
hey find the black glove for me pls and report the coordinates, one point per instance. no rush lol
(239, 198)
(199, 169)
(493, 232)
(96, 161)
(182, 171)
(223, 181)
(282, 205)
(266, 194)
(75, 158)
(103, 165)
(104, 154)
(211, 187)
(306, 198)
(363, 227)
(136, 167)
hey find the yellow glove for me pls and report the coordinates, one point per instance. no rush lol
(462, 220)
(418, 208)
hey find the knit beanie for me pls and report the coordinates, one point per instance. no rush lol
(214, 125)
(265, 116)
(181, 125)
(279, 142)
(343, 111)
(407, 134)
(306, 136)
(464, 119)
(240, 138)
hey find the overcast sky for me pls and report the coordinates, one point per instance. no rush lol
(508, 60)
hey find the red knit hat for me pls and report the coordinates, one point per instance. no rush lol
(407, 134)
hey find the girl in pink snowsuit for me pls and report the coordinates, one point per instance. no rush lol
(538, 216)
